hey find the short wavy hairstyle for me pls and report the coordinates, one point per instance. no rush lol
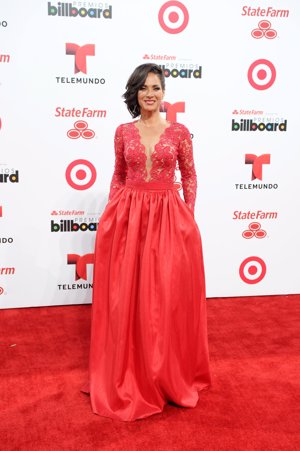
(135, 83)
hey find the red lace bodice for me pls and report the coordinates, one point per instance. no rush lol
(131, 160)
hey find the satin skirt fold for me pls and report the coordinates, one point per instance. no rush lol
(149, 334)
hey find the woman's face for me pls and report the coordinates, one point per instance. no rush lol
(150, 94)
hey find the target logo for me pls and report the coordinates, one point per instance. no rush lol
(261, 74)
(173, 17)
(80, 262)
(254, 230)
(264, 30)
(80, 54)
(252, 270)
(80, 130)
(81, 174)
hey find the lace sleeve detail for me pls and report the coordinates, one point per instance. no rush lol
(119, 175)
(187, 169)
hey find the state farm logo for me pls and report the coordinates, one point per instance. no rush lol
(257, 163)
(80, 130)
(67, 212)
(80, 262)
(261, 74)
(173, 17)
(252, 270)
(171, 110)
(9, 176)
(7, 271)
(80, 54)
(264, 30)
(79, 112)
(254, 231)
(67, 10)
(81, 174)
(4, 58)
(0, 123)
(2, 291)
(1, 211)
(264, 12)
(251, 215)
(152, 56)
(248, 112)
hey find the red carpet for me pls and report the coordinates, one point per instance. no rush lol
(254, 403)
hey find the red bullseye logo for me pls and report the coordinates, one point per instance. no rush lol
(264, 30)
(173, 17)
(261, 74)
(252, 270)
(80, 130)
(81, 174)
(254, 230)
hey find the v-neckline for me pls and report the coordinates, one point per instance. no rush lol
(158, 141)
(148, 157)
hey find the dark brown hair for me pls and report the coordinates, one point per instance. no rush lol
(136, 81)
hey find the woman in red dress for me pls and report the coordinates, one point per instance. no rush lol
(149, 335)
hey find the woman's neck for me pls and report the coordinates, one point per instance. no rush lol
(151, 120)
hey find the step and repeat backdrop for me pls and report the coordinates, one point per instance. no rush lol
(232, 77)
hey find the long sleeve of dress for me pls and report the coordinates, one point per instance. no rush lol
(187, 169)
(119, 175)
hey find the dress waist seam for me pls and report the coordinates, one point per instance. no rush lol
(152, 185)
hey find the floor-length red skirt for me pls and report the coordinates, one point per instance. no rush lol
(149, 334)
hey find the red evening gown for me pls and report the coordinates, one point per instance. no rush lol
(149, 334)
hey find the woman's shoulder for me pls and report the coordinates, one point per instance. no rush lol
(125, 126)
(180, 128)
